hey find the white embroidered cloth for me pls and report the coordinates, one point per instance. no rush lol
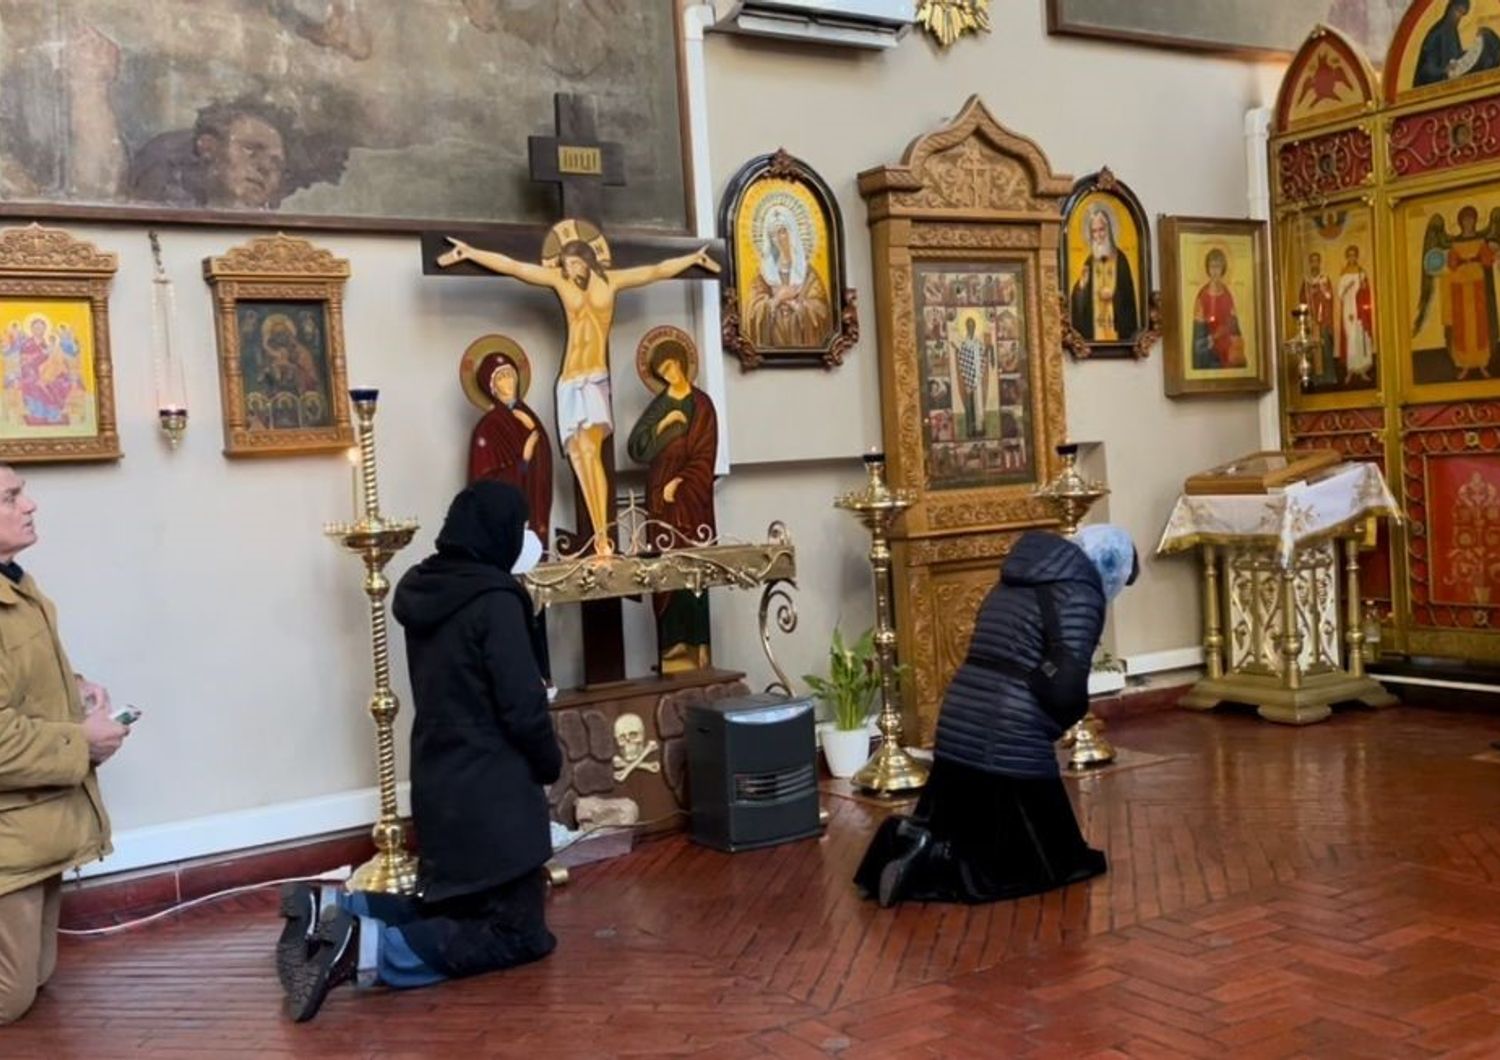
(1286, 519)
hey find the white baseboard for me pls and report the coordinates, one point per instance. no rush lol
(221, 833)
(1155, 662)
(1105, 682)
(1433, 682)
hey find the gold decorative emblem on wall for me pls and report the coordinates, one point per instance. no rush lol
(947, 20)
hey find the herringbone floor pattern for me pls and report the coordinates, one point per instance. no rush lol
(1324, 892)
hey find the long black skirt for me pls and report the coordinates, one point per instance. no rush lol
(993, 838)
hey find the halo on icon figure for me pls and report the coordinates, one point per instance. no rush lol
(505, 349)
(653, 344)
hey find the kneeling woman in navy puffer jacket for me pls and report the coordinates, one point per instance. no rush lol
(994, 821)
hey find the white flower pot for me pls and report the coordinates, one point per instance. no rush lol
(845, 750)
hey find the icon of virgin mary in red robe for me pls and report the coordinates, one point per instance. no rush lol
(677, 437)
(508, 444)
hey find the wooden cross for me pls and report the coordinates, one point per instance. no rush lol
(576, 160)
(567, 160)
(580, 166)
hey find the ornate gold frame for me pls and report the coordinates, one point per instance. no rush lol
(37, 262)
(969, 192)
(1176, 347)
(842, 299)
(285, 268)
(1148, 298)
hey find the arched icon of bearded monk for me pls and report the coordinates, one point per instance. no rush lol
(576, 266)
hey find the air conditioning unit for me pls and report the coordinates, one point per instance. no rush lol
(849, 23)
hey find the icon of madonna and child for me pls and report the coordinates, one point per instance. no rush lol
(284, 358)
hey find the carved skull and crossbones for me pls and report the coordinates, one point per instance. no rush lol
(633, 747)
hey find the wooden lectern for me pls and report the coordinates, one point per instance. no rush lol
(1271, 527)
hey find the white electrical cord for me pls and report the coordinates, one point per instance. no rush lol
(338, 875)
(333, 876)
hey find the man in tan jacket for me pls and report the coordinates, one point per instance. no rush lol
(55, 727)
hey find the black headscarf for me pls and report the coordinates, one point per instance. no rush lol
(486, 523)
(478, 545)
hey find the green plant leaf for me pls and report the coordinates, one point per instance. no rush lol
(852, 681)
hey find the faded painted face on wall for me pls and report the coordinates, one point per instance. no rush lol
(344, 109)
(244, 164)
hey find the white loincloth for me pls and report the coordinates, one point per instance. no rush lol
(583, 402)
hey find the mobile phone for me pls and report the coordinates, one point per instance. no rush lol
(126, 715)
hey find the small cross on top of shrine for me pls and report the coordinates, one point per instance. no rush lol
(575, 159)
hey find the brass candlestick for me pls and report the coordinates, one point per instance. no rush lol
(375, 539)
(890, 769)
(1072, 495)
(1299, 347)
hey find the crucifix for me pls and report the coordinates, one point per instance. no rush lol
(586, 272)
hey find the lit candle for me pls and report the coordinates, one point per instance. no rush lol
(357, 481)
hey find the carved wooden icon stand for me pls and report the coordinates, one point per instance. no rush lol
(964, 230)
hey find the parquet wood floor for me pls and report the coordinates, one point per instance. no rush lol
(1326, 892)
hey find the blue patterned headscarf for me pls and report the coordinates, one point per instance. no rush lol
(1112, 553)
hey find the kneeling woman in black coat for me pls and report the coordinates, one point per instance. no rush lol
(994, 821)
(482, 747)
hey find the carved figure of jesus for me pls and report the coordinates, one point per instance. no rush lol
(587, 288)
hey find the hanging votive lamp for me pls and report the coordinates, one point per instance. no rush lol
(171, 388)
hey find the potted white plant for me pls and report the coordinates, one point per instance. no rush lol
(848, 691)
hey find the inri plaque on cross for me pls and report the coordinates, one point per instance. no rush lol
(576, 160)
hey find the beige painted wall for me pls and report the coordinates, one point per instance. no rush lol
(1168, 123)
(202, 589)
